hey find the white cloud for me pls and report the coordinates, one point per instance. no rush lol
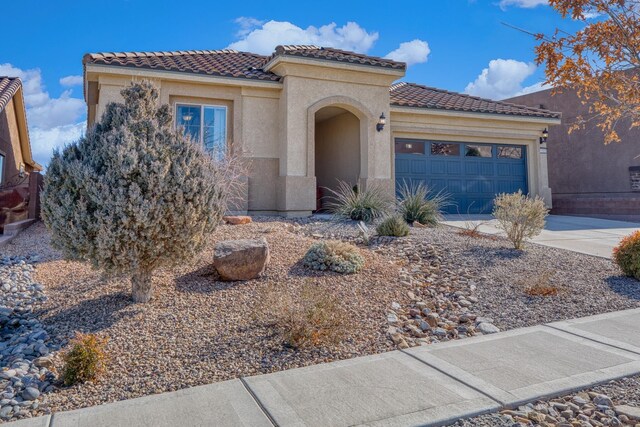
(413, 52)
(71, 81)
(527, 4)
(502, 79)
(246, 24)
(53, 122)
(262, 38)
(44, 141)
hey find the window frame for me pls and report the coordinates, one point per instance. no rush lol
(3, 166)
(202, 106)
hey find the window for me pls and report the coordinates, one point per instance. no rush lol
(441, 149)
(478, 151)
(1, 168)
(207, 124)
(409, 147)
(510, 152)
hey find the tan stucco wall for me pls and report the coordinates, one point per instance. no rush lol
(273, 126)
(337, 155)
(10, 143)
(481, 128)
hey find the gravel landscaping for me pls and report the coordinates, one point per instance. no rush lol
(434, 285)
(616, 403)
(198, 330)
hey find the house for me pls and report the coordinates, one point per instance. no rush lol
(19, 177)
(307, 116)
(586, 176)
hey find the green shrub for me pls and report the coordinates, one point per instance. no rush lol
(394, 226)
(359, 205)
(417, 204)
(307, 318)
(520, 216)
(335, 256)
(627, 255)
(86, 360)
(135, 194)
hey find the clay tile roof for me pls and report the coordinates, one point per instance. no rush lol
(415, 95)
(332, 54)
(223, 63)
(8, 87)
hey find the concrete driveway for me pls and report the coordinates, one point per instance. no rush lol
(585, 235)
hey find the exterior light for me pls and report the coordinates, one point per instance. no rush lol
(545, 136)
(381, 122)
(21, 170)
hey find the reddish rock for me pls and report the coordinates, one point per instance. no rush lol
(237, 219)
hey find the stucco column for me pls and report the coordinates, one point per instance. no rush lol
(543, 176)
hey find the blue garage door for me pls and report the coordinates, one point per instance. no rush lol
(471, 174)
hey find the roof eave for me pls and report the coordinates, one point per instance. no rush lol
(462, 113)
(273, 62)
(178, 75)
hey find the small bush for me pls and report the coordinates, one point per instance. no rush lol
(394, 226)
(359, 205)
(520, 216)
(627, 255)
(309, 318)
(86, 360)
(335, 256)
(416, 203)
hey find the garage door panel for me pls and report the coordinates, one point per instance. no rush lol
(470, 181)
(438, 167)
(418, 167)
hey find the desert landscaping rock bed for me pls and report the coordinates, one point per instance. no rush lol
(198, 330)
(616, 403)
(432, 286)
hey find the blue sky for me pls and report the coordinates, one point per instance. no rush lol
(459, 45)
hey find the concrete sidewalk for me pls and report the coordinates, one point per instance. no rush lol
(591, 236)
(431, 385)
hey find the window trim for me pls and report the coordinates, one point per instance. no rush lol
(202, 106)
(480, 144)
(3, 166)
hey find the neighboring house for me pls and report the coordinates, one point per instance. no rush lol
(18, 170)
(586, 176)
(308, 116)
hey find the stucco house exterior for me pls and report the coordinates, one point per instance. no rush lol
(588, 177)
(19, 176)
(307, 116)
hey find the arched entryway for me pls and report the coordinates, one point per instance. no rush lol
(337, 151)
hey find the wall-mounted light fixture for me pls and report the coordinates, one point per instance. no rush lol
(545, 136)
(381, 122)
(21, 170)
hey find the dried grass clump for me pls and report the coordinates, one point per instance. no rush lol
(540, 285)
(86, 361)
(309, 318)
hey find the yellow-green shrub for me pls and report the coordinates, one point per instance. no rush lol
(86, 359)
(627, 255)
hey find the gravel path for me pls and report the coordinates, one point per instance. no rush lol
(198, 330)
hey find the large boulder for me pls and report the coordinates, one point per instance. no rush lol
(241, 259)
